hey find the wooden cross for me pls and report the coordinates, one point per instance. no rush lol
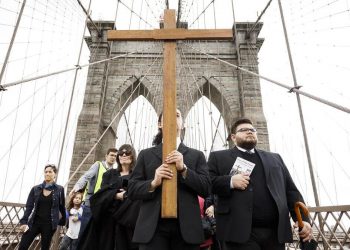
(169, 35)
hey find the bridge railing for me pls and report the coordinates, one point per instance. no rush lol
(10, 214)
(10, 234)
(331, 227)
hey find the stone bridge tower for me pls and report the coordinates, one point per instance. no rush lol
(109, 84)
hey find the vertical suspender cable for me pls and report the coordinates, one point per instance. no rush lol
(239, 73)
(215, 133)
(301, 118)
(116, 15)
(299, 107)
(127, 126)
(72, 93)
(2, 88)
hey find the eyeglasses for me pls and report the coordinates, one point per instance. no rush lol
(243, 130)
(124, 152)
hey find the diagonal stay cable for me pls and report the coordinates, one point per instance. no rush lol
(132, 11)
(291, 89)
(198, 87)
(258, 19)
(189, 10)
(35, 147)
(72, 92)
(137, 117)
(30, 97)
(128, 129)
(89, 17)
(201, 140)
(16, 140)
(151, 9)
(2, 72)
(107, 128)
(133, 131)
(215, 133)
(4, 86)
(203, 11)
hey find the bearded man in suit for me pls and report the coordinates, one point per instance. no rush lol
(186, 232)
(254, 205)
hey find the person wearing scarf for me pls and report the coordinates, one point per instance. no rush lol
(45, 210)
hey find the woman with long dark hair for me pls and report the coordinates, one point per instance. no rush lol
(119, 178)
(114, 215)
(158, 138)
(44, 211)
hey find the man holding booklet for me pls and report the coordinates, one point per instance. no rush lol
(255, 193)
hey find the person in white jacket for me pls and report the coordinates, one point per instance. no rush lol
(74, 214)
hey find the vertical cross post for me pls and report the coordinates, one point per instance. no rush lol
(170, 34)
(169, 187)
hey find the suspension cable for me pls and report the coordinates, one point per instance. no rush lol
(199, 92)
(195, 81)
(34, 148)
(291, 89)
(239, 73)
(132, 11)
(4, 86)
(257, 20)
(203, 11)
(105, 131)
(72, 92)
(99, 31)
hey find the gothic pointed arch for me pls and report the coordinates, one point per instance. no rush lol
(138, 124)
(122, 95)
(205, 127)
(209, 89)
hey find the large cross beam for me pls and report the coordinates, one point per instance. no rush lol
(169, 35)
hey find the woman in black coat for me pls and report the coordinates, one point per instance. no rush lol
(113, 215)
(44, 211)
(118, 178)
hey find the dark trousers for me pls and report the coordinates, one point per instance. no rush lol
(216, 244)
(46, 235)
(168, 237)
(260, 239)
(68, 243)
(123, 237)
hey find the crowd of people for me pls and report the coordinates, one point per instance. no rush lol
(241, 199)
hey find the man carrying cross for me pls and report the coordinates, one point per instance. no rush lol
(170, 176)
(192, 179)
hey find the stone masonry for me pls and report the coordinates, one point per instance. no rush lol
(110, 84)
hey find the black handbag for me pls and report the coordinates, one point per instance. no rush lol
(209, 226)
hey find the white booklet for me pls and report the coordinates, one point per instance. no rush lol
(242, 166)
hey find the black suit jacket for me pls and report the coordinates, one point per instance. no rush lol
(235, 207)
(196, 183)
